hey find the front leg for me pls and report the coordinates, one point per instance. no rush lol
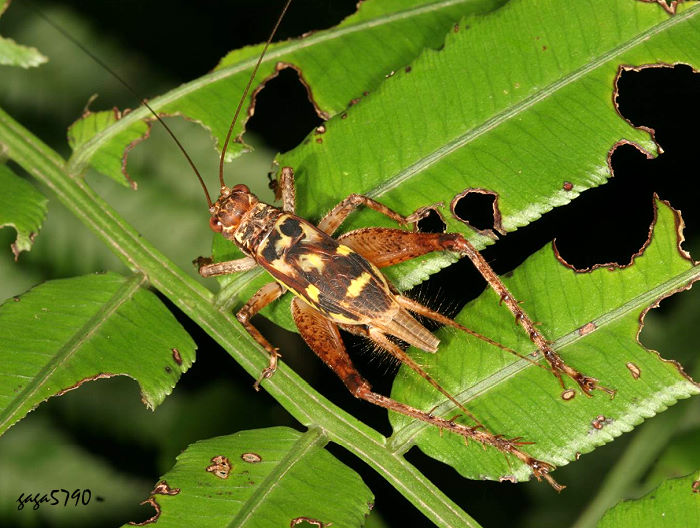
(284, 189)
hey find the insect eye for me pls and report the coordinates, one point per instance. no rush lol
(215, 225)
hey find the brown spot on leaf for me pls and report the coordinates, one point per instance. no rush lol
(344, 115)
(168, 369)
(568, 186)
(408, 69)
(309, 520)
(634, 370)
(568, 394)
(320, 129)
(478, 208)
(319, 140)
(587, 329)
(220, 467)
(251, 458)
(15, 250)
(601, 421)
(162, 488)
(695, 487)
(455, 28)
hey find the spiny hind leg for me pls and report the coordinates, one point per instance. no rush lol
(385, 247)
(587, 383)
(381, 339)
(264, 296)
(323, 338)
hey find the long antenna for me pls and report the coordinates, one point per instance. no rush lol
(145, 103)
(245, 93)
(128, 87)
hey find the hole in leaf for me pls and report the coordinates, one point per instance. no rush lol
(664, 99)
(283, 113)
(478, 208)
(611, 223)
(433, 223)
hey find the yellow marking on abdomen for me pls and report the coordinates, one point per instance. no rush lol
(343, 250)
(357, 284)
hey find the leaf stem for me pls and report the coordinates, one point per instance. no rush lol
(292, 392)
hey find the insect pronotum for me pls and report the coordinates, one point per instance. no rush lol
(337, 284)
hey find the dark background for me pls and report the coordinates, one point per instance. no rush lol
(607, 224)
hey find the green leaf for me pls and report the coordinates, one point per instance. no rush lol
(519, 102)
(13, 54)
(593, 319)
(22, 207)
(674, 503)
(107, 161)
(260, 478)
(66, 332)
(321, 57)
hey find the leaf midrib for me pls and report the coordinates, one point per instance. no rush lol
(313, 438)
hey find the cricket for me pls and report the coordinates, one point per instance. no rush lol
(337, 284)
